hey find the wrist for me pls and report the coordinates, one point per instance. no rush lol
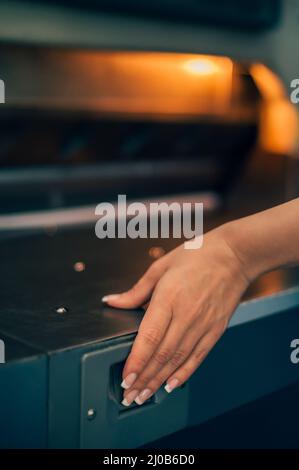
(242, 245)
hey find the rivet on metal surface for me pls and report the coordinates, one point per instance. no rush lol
(61, 310)
(91, 413)
(79, 266)
(156, 252)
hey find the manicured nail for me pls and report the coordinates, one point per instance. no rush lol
(171, 385)
(143, 396)
(128, 400)
(129, 380)
(106, 298)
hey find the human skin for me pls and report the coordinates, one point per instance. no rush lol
(193, 294)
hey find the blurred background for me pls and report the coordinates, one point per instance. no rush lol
(89, 114)
(158, 100)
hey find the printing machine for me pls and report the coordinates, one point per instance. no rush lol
(164, 101)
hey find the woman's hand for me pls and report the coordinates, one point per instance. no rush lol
(193, 294)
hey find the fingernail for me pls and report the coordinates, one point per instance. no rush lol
(106, 298)
(143, 396)
(171, 385)
(128, 400)
(129, 380)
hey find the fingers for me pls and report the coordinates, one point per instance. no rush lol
(188, 357)
(173, 351)
(166, 357)
(200, 352)
(150, 334)
(142, 290)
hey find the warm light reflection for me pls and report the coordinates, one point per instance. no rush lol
(201, 66)
(267, 82)
(269, 284)
(166, 86)
(278, 118)
(152, 83)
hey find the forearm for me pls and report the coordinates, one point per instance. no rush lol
(266, 240)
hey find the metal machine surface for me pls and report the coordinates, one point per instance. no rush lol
(63, 369)
(152, 116)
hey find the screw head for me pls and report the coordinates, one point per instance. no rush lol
(79, 266)
(61, 310)
(91, 413)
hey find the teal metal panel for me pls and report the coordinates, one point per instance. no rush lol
(23, 403)
(113, 425)
(250, 361)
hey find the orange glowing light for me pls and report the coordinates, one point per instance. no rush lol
(278, 117)
(203, 66)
